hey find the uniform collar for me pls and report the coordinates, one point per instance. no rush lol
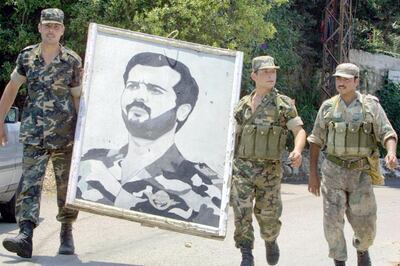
(357, 99)
(273, 93)
(169, 161)
(63, 55)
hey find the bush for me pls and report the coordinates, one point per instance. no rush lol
(389, 98)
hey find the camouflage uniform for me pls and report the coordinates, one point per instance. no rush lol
(348, 189)
(260, 179)
(47, 127)
(171, 186)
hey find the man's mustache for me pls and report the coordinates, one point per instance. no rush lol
(140, 105)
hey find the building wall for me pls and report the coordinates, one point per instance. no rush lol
(374, 68)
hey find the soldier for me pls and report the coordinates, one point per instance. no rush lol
(149, 174)
(349, 124)
(52, 75)
(263, 120)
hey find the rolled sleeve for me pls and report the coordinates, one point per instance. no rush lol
(19, 74)
(76, 91)
(314, 139)
(20, 69)
(17, 77)
(391, 135)
(318, 134)
(294, 122)
(382, 127)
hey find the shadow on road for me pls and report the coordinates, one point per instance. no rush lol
(7, 227)
(58, 260)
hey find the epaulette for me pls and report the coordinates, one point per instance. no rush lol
(73, 54)
(332, 101)
(30, 47)
(284, 101)
(242, 102)
(245, 99)
(285, 98)
(204, 171)
(371, 97)
(327, 104)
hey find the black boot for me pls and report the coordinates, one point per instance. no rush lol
(272, 250)
(363, 258)
(340, 263)
(247, 256)
(66, 240)
(22, 243)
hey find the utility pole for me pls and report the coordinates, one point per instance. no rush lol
(336, 39)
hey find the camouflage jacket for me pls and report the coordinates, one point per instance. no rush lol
(374, 114)
(171, 186)
(48, 116)
(280, 112)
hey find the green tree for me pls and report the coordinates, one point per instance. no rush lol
(238, 24)
(229, 24)
(377, 25)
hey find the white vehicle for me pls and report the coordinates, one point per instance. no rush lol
(10, 166)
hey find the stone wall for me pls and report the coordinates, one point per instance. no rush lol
(374, 68)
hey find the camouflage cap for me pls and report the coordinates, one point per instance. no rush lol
(52, 15)
(347, 70)
(263, 62)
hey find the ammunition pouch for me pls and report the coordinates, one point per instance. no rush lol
(262, 142)
(350, 139)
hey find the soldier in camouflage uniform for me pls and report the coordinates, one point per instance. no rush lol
(52, 75)
(349, 125)
(263, 120)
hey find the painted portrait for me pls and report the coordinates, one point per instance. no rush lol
(155, 132)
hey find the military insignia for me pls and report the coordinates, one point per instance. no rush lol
(206, 171)
(160, 200)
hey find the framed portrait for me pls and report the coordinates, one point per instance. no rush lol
(154, 139)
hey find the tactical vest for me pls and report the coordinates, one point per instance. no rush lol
(265, 140)
(354, 139)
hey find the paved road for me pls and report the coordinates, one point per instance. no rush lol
(108, 241)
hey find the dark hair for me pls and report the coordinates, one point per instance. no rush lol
(186, 89)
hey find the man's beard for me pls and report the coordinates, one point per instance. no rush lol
(152, 128)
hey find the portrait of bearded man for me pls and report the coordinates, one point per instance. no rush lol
(149, 174)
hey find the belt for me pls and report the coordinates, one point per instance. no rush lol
(352, 165)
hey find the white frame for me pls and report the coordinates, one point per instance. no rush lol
(159, 221)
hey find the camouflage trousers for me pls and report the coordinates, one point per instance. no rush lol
(347, 192)
(261, 181)
(34, 162)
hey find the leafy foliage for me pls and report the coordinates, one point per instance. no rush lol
(229, 24)
(377, 25)
(389, 98)
(287, 30)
